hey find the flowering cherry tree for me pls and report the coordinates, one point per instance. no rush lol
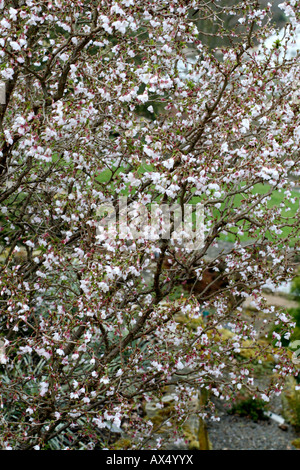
(105, 99)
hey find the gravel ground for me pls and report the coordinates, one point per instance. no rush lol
(235, 433)
(239, 433)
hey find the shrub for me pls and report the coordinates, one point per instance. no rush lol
(252, 408)
(89, 310)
